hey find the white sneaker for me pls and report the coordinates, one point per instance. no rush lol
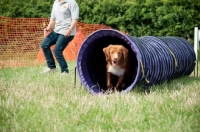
(48, 70)
(64, 73)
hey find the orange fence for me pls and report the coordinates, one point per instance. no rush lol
(20, 40)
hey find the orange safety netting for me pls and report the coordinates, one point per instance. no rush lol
(20, 40)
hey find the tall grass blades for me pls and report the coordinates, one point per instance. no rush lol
(35, 102)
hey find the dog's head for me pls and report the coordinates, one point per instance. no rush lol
(116, 54)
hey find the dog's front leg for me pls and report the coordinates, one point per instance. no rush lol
(120, 79)
(108, 76)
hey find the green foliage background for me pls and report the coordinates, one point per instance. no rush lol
(136, 17)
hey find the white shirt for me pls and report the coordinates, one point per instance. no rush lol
(63, 14)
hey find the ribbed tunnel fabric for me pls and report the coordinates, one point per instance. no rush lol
(153, 59)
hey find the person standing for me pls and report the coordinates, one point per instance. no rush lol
(62, 28)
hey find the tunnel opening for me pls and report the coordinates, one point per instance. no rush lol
(92, 67)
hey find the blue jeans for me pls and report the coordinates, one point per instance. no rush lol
(60, 42)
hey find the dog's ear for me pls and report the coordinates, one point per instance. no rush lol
(125, 53)
(106, 52)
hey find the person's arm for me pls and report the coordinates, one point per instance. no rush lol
(50, 25)
(74, 9)
(52, 22)
(73, 24)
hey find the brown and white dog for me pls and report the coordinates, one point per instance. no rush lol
(117, 64)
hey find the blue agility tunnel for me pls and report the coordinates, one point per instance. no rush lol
(153, 59)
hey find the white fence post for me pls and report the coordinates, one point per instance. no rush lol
(196, 46)
(196, 40)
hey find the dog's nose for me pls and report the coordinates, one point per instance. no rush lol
(115, 58)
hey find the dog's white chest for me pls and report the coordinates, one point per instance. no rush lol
(116, 70)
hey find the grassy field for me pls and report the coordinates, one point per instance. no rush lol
(35, 102)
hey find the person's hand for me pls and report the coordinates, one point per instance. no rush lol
(46, 30)
(68, 32)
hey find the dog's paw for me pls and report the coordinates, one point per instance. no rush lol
(116, 89)
(109, 91)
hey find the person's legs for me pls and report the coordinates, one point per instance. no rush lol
(46, 44)
(61, 44)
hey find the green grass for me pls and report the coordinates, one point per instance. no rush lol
(35, 102)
